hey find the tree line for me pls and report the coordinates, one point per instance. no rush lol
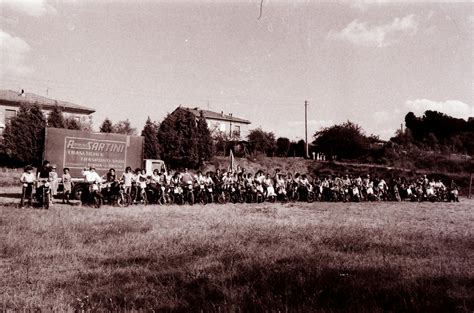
(23, 138)
(185, 140)
(438, 132)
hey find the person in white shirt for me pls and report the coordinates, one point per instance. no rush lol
(280, 181)
(54, 181)
(439, 185)
(200, 179)
(208, 179)
(304, 182)
(382, 185)
(127, 179)
(268, 184)
(91, 176)
(155, 177)
(142, 181)
(227, 180)
(260, 177)
(27, 179)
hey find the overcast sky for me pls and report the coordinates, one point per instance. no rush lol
(366, 61)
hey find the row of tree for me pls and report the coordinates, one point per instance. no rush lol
(121, 127)
(438, 132)
(432, 131)
(184, 140)
(181, 139)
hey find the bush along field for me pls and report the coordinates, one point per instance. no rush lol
(320, 257)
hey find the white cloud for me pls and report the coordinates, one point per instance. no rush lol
(453, 108)
(361, 33)
(29, 7)
(13, 52)
(364, 4)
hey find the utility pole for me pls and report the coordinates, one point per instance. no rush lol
(306, 128)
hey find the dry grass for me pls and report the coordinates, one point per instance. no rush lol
(326, 257)
(10, 176)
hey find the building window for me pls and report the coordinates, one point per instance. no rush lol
(222, 127)
(9, 114)
(237, 130)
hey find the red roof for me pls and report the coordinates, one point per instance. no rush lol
(14, 98)
(216, 116)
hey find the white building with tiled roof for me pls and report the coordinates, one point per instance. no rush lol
(10, 102)
(226, 123)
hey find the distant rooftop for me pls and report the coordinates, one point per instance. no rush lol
(216, 116)
(14, 98)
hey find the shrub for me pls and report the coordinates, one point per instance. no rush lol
(24, 135)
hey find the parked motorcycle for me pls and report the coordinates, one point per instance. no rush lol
(93, 196)
(43, 194)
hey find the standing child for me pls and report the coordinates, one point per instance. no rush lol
(54, 181)
(127, 178)
(67, 183)
(27, 179)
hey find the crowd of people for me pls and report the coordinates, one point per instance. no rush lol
(179, 187)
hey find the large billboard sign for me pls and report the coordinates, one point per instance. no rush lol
(78, 149)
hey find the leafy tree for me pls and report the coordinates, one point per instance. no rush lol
(220, 140)
(432, 141)
(124, 127)
(72, 123)
(205, 142)
(56, 118)
(24, 135)
(87, 126)
(436, 130)
(107, 126)
(283, 146)
(413, 124)
(403, 138)
(346, 141)
(297, 149)
(262, 141)
(179, 139)
(151, 147)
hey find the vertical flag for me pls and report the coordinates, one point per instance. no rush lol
(232, 162)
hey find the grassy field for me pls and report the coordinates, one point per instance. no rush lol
(320, 257)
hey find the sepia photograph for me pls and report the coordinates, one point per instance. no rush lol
(236, 156)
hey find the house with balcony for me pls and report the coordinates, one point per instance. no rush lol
(228, 124)
(10, 102)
